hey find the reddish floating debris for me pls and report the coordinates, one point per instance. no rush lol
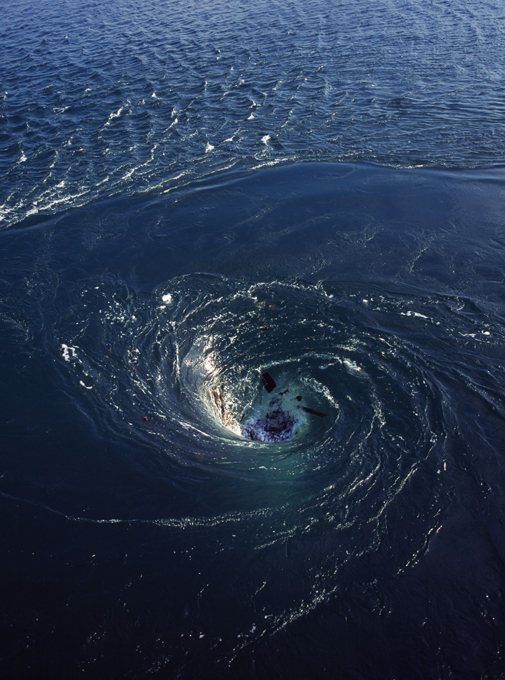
(314, 412)
(268, 382)
(265, 328)
(218, 398)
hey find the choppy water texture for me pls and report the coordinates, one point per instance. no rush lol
(193, 197)
(121, 98)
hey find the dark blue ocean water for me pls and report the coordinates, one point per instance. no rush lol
(194, 194)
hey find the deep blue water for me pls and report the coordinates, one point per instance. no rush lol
(193, 195)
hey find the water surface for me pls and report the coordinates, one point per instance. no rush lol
(194, 196)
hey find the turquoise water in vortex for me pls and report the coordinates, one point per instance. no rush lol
(192, 196)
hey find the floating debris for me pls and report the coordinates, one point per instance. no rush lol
(218, 398)
(268, 382)
(313, 412)
(274, 419)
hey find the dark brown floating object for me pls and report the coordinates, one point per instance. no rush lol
(314, 412)
(298, 398)
(268, 382)
(265, 328)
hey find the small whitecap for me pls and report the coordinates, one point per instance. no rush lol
(128, 174)
(113, 115)
(167, 298)
(69, 353)
(208, 148)
(411, 313)
(351, 366)
(251, 117)
(265, 139)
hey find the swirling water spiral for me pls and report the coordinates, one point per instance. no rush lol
(374, 369)
(252, 340)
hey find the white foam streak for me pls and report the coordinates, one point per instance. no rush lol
(114, 115)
